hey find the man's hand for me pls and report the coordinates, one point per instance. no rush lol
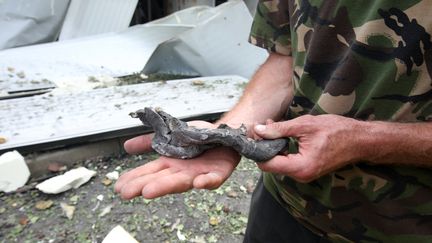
(167, 175)
(326, 143)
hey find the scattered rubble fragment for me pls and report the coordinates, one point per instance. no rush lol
(2, 140)
(113, 175)
(106, 181)
(180, 235)
(71, 179)
(106, 211)
(43, 205)
(68, 210)
(100, 197)
(14, 172)
(119, 234)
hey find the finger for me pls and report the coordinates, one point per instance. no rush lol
(139, 145)
(211, 180)
(149, 168)
(269, 121)
(169, 184)
(134, 187)
(286, 165)
(278, 129)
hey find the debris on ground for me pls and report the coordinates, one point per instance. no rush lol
(14, 172)
(156, 220)
(68, 210)
(113, 175)
(43, 205)
(2, 140)
(71, 179)
(119, 234)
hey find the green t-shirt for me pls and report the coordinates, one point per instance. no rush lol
(370, 60)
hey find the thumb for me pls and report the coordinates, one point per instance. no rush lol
(274, 130)
(138, 145)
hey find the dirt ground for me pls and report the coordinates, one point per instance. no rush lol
(197, 216)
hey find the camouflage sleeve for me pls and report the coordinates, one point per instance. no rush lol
(271, 28)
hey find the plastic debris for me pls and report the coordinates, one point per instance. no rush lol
(119, 234)
(71, 179)
(14, 172)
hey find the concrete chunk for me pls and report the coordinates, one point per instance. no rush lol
(71, 179)
(14, 172)
(119, 234)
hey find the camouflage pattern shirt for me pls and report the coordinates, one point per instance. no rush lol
(370, 60)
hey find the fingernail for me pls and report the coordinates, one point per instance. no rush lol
(260, 128)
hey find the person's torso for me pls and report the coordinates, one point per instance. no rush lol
(370, 60)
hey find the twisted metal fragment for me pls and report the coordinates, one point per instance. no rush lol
(174, 138)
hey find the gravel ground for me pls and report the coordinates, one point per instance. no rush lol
(197, 216)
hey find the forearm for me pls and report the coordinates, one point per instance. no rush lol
(267, 96)
(396, 143)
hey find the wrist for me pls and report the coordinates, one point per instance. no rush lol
(370, 140)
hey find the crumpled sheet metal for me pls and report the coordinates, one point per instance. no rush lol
(25, 22)
(174, 138)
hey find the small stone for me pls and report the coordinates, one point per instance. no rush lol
(213, 221)
(3, 140)
(232, 194)
(106, 181)
(226, 209)
(100, 197)
(243, 189)
(11, 69)
(68, 210)
(113, 175)
(106, 211)
(43, 205)
(24, 220)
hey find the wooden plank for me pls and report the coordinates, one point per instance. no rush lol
(60, 117)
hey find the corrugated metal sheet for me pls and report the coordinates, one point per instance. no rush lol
(85, 18)
(59, 118)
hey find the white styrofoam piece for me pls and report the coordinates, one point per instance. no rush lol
(119, 234)
(14, 172)
(71, 179)
(64, 115)
(85, 18)
(217, 46)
